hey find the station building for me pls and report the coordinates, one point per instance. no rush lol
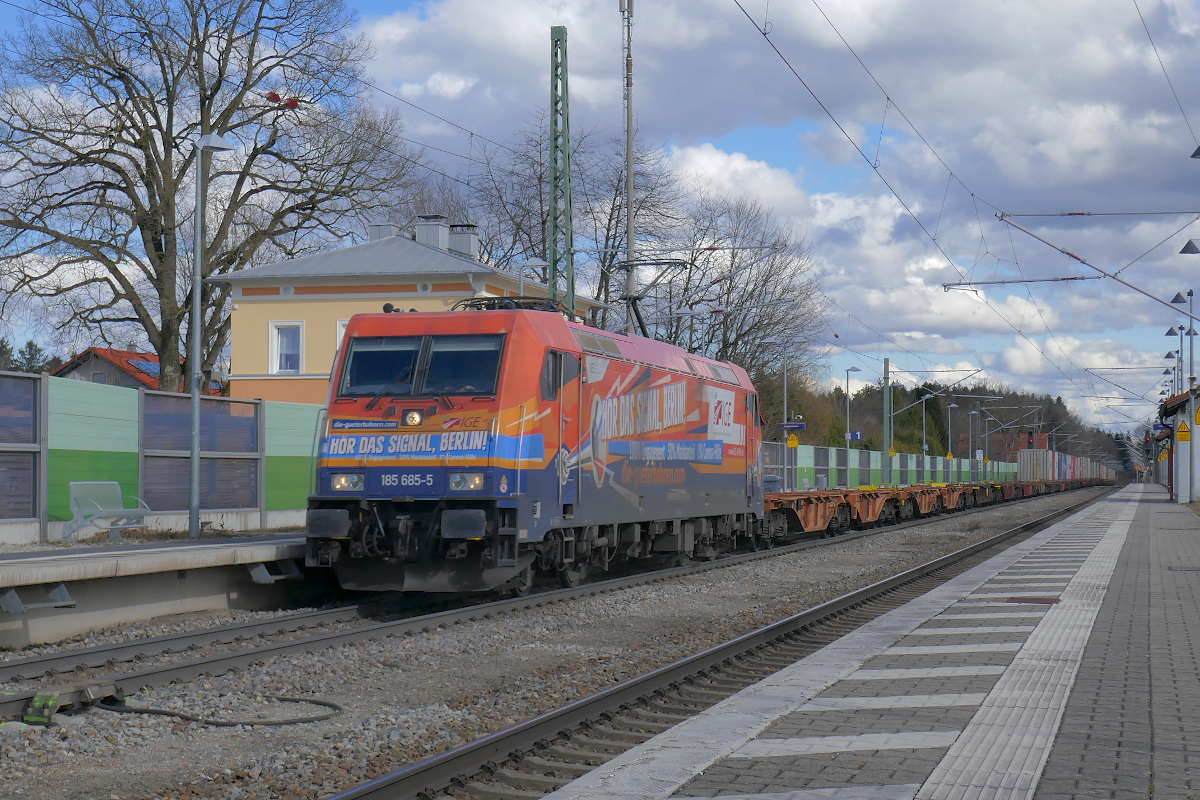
(288, 318)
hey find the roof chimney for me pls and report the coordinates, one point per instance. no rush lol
(381, 230)
(433, 230)
(464, 239)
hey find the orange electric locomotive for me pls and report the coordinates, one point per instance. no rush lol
(467, 450)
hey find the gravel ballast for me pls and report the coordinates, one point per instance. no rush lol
(409, 697)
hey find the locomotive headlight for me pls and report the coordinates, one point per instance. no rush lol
(412, 417)
(347, 481)
(466, 481)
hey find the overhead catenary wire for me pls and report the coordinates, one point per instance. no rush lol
(1163, 67)
(875, 169)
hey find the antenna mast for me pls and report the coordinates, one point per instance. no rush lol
(561, 245)
(630, 249)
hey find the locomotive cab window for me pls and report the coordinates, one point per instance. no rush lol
(380, 365)
(463, 364)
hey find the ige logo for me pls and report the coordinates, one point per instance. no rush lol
(451, 423)
(503, 484)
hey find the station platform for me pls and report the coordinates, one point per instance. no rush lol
(1067, 666)
(122, 560)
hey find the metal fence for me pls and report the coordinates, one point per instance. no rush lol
(232, 453)
(22, 447)
(255, 455)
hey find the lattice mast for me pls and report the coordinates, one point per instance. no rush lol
(630, 246)
(561, 244)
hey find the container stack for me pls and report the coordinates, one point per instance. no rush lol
(1050, 465)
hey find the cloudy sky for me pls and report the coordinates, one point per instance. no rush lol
(1022, 107)
(1027, 108)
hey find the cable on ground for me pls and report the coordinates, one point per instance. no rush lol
(336, 710)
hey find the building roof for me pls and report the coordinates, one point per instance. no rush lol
(1171, 405)
(142, 367)
(392, 255)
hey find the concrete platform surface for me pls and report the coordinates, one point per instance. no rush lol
(1064, 667)
(64, 565)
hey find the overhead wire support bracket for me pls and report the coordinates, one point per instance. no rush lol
(1003, 217)
(970, 284)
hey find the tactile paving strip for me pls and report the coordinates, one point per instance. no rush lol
(658, 768)
(1001, 752)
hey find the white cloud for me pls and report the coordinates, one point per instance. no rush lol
(1037, 107)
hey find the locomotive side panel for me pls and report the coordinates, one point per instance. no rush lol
(658, 445)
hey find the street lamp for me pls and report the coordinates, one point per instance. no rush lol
(1178, 384)
(848, 371)
(208, 143)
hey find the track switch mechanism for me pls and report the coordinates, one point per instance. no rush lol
(71, 697)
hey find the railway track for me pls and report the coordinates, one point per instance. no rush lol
(109, 655)
(533, 758)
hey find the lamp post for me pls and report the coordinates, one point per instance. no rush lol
(1191, 377)
(208, 143)
(848, 371)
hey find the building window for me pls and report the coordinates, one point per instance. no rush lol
(341, 331)
(286, 347)
(99, 377)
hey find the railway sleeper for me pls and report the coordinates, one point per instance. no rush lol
(490, 791)
(592, 758)
(544, 765)
(621, 735)
(656, 717)
(600, 745)
(638, 724)
(678, 708)
(530, 780)
(700, 693)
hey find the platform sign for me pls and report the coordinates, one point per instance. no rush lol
(792, 440)
(856, 436)
(1158, 426)
(793, 426)
(1183, 433)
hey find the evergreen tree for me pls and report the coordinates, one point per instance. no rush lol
(6, 354)
(30, 358)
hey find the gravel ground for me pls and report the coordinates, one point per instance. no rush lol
(410, 697)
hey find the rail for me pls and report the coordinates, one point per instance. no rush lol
(457, 767)
(11, 705)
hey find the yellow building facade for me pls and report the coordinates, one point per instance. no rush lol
(288, 318)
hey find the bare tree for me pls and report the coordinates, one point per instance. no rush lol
(99, 111)
(744, 288)
(509, 199)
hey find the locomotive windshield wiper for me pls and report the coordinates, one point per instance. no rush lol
(374, 401)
